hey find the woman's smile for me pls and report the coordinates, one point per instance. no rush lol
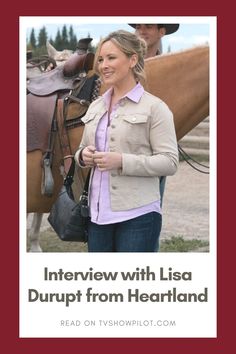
(107, 74)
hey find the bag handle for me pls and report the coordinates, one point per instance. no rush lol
(70, 177)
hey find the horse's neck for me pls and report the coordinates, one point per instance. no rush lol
(166, 72)
(182, 81)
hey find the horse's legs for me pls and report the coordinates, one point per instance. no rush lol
(34, 233)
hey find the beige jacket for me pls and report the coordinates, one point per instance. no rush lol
(144, 133)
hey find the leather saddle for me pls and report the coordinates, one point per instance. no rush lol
(43, 102)
(62, 78)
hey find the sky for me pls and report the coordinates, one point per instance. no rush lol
(192, 31)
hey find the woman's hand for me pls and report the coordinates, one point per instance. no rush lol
(87, 155)
(107, 160)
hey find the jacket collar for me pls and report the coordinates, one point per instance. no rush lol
(134, 95)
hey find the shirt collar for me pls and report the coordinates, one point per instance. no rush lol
(134, 95)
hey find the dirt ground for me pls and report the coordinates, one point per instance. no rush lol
(185, 208)
(186, 204)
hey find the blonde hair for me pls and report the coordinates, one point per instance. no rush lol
(129, 44)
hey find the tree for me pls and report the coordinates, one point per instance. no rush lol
(72, 39)
(58, 40)
(42, 37)
(52, 41)
(32, 41)
(64, 36)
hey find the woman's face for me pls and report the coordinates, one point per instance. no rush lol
(114, 66)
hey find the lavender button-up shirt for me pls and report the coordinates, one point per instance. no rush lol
(100, 204)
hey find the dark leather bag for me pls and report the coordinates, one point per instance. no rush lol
(68, 218)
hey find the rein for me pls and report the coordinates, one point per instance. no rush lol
(188, 158)
(41, 62)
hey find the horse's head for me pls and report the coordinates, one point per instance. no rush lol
(59, 56)
(62, 56)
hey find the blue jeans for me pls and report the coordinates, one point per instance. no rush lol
(140, 234)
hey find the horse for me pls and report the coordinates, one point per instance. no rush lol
(59, 56)
(47, 62)
(54, 58)
(180, 79)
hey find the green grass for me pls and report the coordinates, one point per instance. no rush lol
(51, 243)
(178, 244)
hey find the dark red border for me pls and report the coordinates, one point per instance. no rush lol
(10, 178)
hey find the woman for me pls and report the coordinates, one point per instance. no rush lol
(129, 141)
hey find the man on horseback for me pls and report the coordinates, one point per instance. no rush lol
(152, 34)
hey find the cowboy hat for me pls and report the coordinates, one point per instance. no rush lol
(170, 28)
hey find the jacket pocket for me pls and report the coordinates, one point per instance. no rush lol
(136, 119)
(88, 117)
(135, 129)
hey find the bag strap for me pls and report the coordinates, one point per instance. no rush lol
(70, 177)
(86, 185)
